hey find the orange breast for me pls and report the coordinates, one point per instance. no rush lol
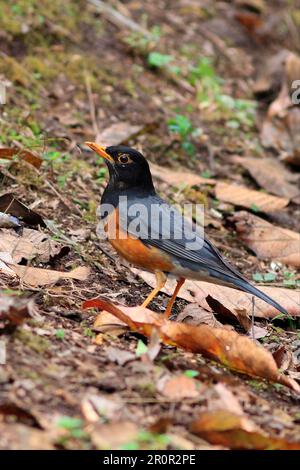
(134, 250)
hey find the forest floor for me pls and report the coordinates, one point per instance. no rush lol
(201, 88)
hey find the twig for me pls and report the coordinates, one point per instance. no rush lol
(91, 103)
(252, 317)
(117, 18)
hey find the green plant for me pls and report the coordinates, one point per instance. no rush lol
(183, 127)
(209, 88)
(264, 277)
(144, 42)
(156, 59)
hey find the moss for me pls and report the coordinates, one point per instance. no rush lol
(24, 16)
(14, 71)
(35, 342)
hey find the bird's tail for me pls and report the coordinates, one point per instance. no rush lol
(245, 286)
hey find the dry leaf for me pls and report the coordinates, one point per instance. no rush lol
(193, 314)
(16, 436)
(280, 129)
(224, 399)
(14, 153)
(178, 387)
(237, 432)
(10, 205)
(271, 175)
(118, 133)
(232, 299)
(30, 245)
(95, 407)
(177, 178)
(228, 347)
(242, 196)
(35, 277)
(113, 436)
(15, 309)
(268, 241)
(107, 323)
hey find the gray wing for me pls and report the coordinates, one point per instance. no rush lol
(160, 225)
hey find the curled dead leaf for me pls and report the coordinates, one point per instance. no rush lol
(228, 347)
(10, 153)
(237, 432)
(10, 205)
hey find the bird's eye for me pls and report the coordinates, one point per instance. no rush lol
(124, 158)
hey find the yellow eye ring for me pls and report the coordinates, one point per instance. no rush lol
(124, 158)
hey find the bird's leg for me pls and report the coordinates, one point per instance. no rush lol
(160, 282)
(180, 282)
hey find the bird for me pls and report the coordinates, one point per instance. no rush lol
(161, 240)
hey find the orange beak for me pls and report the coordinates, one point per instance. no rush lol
(100, 151)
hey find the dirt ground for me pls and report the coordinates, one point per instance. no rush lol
(71, 72)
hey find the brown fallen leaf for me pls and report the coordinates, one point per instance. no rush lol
(237, 432)
(16, 310)
(228, 347)
(15, 153)
(107, 323)
(271, 175)
(268, 241)
(223, 399)
(94, 407)
(193, 314)
(30, 245)
(10, 205)
(118, 133)
(283, 358)
(176, 177)
(17, 436)
(179, 387)
(197, 292)
(280, 129)
(242, 196)
(35, 277)
(113, 436)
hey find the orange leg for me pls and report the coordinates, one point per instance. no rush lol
(180, 282)
(160, 282)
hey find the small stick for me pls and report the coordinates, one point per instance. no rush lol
(252, 318)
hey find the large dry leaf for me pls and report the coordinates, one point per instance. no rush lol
(233, 300)
(237, 432)
(118, 133)
(16, 310)
(228, 347)
(10, 205)
(35, 277)
(177, 178)
(242, 196)
(10, 153)
(32, 244)
(271, 175)
(268, 241)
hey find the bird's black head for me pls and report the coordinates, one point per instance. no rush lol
(127, 167)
